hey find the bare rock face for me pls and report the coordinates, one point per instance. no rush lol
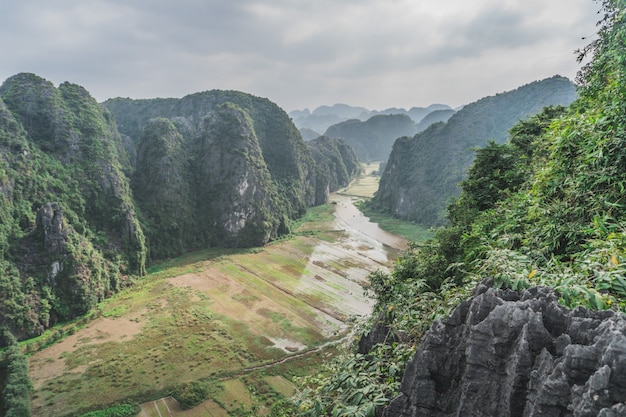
(505, 353)
(239, 198)
(50, 221)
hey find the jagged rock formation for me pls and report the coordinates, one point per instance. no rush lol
(505, 353)
(423, 172)
(336, 165)
(284, 152)
(242, 203)
(373, 139)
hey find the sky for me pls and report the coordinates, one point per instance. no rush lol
(299, 54)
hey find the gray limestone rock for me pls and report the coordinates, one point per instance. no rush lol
(517, 354)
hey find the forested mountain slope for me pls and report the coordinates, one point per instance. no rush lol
(231, 166)
(497, 314)
(373, 139)
(69, 234)
(336, 163)
(83, 208)
(423, 172)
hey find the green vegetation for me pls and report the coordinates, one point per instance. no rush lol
(411, 231)
(194, 326)
(123, 410)
(69, 235)
(284, 151)
(545, 208)
(219, 168)
(336, 165)
(423, 172)
(373, 139)
(16, 387)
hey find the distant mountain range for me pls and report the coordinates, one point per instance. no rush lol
(370, 132)
(320, 119)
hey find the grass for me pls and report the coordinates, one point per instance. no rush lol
(186, 333)
(204, 316)
(367, 184)
(408, 230)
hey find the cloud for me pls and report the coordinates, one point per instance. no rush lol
(298, 53)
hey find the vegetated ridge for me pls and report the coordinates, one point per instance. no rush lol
(423, 172)
(85, 208)
(516, 307)
(373, 139)
(336, 164)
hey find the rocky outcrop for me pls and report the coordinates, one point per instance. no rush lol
(505, 353)
(50, 221)
(222, 168)
(239, 201)
(69, 233)
(285, 154)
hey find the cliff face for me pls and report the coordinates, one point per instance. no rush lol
(505, 353)
(221, 168)
(240, 205)
(69, 235)
(284, 152)
(336, 165)
(423, 172)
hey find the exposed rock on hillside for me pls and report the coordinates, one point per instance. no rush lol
(239, 200)
(284, 152)
(217, 168)
(506, 353)
(423, 172)
(69, 235)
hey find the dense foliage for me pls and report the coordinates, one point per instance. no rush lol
(284, 151)
(336, 165)
(69, 235)
(16, 389)
(232, 166)
(423, 172)
(83, 207)
(373, 139)
(545, 208)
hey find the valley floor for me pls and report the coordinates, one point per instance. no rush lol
(233, 317)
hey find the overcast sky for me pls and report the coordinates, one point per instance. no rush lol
(371, 53)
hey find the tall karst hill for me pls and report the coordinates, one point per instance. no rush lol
(69, 232)
(373, 139)
(423, 172)
(218, 168)
(84, 208)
